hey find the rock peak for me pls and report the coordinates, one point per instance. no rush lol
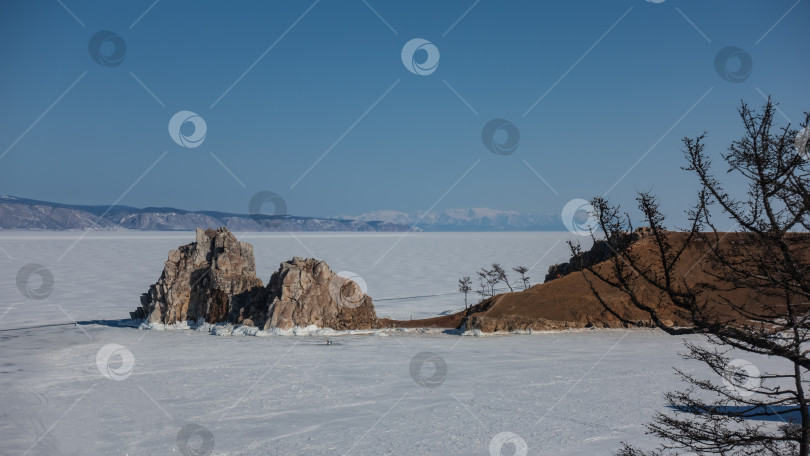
(214, 279)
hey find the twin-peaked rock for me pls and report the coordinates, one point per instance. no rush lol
(214, 279)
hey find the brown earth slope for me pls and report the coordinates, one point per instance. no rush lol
(569, 302)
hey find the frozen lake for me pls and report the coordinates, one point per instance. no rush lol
(101, 275)
(563, 394)
(100, 389)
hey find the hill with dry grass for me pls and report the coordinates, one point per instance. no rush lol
(570, 302)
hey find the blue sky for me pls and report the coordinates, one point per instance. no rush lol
(280, 83)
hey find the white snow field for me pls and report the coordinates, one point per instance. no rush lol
(97, 388)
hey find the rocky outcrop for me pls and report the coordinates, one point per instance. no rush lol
(214, 279)
(601, 250)
(506, 323)
(206, 280)
(306, 290)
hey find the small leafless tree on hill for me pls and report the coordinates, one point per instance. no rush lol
(749, 293)
(522, 270)
(500, 273)
(487, 281)
(464, 287)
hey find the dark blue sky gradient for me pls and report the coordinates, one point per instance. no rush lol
(618, 101)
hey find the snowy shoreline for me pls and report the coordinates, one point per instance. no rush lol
(228, 329)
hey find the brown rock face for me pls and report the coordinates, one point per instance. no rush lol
(205, 279)
(601, 250)
(214, 279)
(306, 290)
(522, 323)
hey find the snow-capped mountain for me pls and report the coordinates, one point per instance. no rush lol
(26, 214)
(470, 219)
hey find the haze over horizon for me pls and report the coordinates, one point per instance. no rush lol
(312, 100)
(382, 214)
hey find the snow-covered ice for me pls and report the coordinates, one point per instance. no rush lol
(567, 393)
(98, 387)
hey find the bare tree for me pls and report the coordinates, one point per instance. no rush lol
(522, 270)
(492, 280)
(749, 292)
(500, 273)
(465, 286)
(488, 280)
(484, 282)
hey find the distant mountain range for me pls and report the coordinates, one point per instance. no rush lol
(27, 214)
(475, 219)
